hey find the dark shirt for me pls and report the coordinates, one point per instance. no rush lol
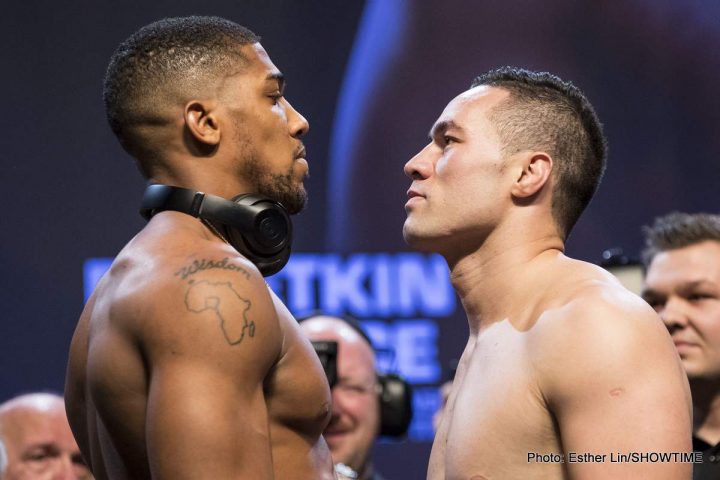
(710, 468)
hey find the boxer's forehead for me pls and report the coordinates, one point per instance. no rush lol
(471, 108)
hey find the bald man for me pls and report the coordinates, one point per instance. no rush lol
(38, 442)
(355, 421)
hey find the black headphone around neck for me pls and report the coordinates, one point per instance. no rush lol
(395, 394)
(257, 227)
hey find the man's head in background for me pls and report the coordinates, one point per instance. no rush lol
(355, 422)
(38, 441)
(682, 283)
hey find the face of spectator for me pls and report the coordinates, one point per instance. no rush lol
(683, 286)
(355, 422)
(39, 443)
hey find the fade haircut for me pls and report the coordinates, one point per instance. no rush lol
(165, 61)
(678, 230)
(546, 113)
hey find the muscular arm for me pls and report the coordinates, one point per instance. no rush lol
(75, 401)
(212, 338)
(614, 384)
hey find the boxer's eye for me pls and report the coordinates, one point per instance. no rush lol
(448, 140)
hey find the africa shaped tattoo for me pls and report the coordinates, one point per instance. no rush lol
(224, 301)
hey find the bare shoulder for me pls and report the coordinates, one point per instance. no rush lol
(591, 310)
(188, 326)
(610, 376)
(599, 335)
(184, 296)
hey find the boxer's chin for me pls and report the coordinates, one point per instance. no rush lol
(413, 237)
(284, 189)
(295, 201)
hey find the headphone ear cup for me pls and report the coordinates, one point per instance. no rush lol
(257, 227)
(395, 405)
(267, 244)
(271, 232)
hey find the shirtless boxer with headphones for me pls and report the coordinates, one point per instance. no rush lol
(184, 365)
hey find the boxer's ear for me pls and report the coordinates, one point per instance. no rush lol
(201, 122)
(535, 173)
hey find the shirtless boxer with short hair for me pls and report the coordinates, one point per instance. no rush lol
(184, 365)
(561, 360)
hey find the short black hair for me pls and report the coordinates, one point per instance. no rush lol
(543, 111)
(678, 230)
(168, 57)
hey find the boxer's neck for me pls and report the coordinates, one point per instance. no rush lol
(490, 282)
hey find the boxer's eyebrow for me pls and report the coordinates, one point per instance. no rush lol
(279, 78)
(443, 126)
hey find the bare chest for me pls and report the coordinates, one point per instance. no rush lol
(297, 391)
(496, 417)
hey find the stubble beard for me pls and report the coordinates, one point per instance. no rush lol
(280, 187)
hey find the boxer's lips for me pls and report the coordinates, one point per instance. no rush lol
(303, 162)
(414, 197)
(414, 193)
(299, 156)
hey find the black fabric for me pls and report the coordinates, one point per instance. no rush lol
(257, 227)
(709, 469)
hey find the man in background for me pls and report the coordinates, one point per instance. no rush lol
(356, 420)
(37, 440)
(682, 284)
